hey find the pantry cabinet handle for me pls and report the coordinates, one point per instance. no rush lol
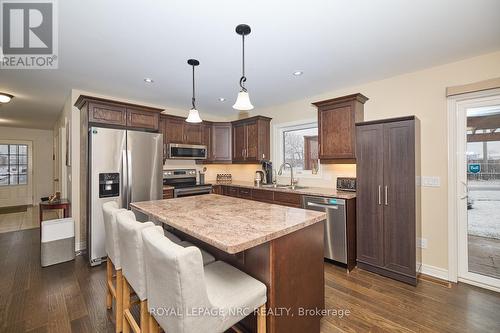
(386, 199)
(380, 194)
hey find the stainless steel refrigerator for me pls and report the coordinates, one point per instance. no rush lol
(124, 166)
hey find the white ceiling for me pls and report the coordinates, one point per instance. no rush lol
(109, 46)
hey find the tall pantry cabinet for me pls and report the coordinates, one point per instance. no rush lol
(388, 197)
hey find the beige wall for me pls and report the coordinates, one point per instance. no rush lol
(42, 157)
(423, 94)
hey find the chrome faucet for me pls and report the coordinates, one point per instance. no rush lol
(280, 172)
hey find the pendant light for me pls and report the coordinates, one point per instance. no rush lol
(5, 98)
(193, 116)
(243, 101)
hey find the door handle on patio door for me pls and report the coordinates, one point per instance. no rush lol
(466, 191)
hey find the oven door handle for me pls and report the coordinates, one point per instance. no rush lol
(192, 191)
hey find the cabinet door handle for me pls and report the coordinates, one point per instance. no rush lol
(380, 194)
(386, 199)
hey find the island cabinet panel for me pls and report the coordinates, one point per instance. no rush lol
(138, 118)
(336, 127)
(251, 139)
(388, 198)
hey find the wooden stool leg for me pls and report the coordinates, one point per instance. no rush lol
(144, 320)
(261, 319)
(109, 276)
(153, 325)
(119, 301)
(126, 305)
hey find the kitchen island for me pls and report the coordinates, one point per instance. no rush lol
(280, 246)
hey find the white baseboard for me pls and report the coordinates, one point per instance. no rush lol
(434, 271)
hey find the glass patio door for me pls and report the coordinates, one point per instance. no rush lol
(479, 227)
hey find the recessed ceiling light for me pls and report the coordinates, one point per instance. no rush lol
(5, 98)
(222, 99)
(148, 80)
(298, 73)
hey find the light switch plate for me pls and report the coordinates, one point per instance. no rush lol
(422, 243)
(431, 181)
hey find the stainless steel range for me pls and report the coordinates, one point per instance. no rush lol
(184, 182)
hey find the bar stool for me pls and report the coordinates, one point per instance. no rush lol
(177, 280)
(132, 260)
(109, 210)
(133, 269)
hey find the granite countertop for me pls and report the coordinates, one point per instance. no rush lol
(318, 191)
(229, 224)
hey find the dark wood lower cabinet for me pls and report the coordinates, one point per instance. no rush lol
(388, 198)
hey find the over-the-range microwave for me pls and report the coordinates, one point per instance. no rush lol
(186, 152)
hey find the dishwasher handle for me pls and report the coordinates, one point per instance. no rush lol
(313, 204)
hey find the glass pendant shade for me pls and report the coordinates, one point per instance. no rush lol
(193, 116)
(243, 102)
(5, 98)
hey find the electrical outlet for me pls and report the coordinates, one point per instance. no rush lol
(429, 181)
(422, 243)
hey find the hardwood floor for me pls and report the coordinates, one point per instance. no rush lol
(70, 297)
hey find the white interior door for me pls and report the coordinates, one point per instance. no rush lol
(478, 191)
(16, 173)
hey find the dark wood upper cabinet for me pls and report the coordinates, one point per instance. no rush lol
(107, 113)
(221, 142)
(337, 118)
(251, 139)
(177, 130)
(173, 129)
(192, 133)
(239, 142)
(388, 197)
(138, 118)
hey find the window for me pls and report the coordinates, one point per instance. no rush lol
(300, 147)
(13, 165)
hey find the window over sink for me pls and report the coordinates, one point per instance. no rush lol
(298, 145)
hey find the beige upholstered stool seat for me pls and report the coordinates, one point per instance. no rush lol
(229, 288)
(176, 279)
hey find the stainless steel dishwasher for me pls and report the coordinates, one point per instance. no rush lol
(335, 225)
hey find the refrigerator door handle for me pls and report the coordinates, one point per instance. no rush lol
(129, 175)
(124, 180)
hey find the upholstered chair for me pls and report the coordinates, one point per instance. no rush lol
(178, 281)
